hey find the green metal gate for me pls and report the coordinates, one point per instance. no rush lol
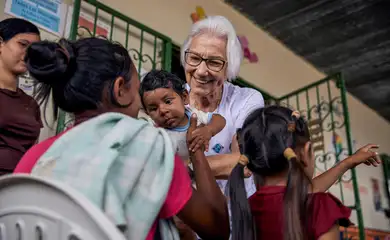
(386, 175)
(148, 48)
(324, 105)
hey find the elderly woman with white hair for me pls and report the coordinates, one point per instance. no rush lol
(211, 56)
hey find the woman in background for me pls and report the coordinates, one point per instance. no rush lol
(20, 120)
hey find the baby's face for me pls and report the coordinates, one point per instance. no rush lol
(165, 107)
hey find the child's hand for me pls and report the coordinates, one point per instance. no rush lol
(366, 155)
(200, 137)
(192, 143)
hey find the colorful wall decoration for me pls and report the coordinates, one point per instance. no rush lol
(200, 14)
(248, 54)
(337, 143)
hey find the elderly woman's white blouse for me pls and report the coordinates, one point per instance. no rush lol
(236, 104)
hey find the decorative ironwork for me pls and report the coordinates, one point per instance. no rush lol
(83, 31)
(136, 55)
(324, 162)
(323, 111)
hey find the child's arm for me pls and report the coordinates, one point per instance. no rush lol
(324, 181)
(216, 124)
(208, 202)
(202, 135)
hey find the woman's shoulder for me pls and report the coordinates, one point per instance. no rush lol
(236, 94)
(27, 99)
(19, 94)
(240, 102)
(321, 197)
(231, 88)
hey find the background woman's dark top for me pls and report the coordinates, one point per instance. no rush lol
(20, 124)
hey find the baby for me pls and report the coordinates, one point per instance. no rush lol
(165, 99)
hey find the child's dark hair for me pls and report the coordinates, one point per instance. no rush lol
(263, 139)
(161, 79)
(77, 72)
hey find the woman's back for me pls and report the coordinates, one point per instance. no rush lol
(268, 209)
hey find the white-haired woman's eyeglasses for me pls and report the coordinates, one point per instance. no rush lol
(214, 63)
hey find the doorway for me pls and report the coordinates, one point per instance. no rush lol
(176, 67)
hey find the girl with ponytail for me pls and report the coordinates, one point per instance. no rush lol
(275, 146)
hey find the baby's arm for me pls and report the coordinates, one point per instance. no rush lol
(216, 124)
(202, 135)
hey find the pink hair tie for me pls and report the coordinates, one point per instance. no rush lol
(65, 52)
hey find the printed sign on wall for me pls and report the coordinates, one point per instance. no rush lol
(49, 15)
(86, 21)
